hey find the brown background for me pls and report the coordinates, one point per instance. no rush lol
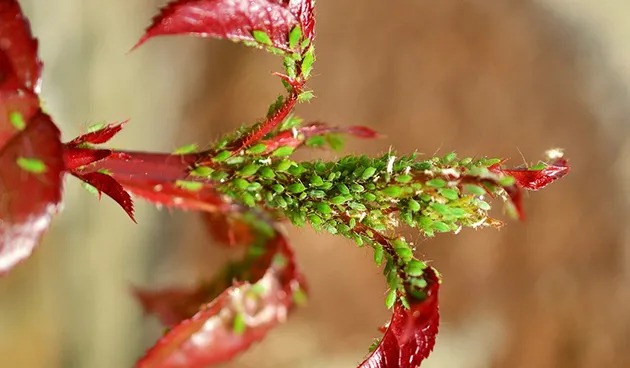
(494, 77)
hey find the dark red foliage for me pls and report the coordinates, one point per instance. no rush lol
(18, 45)
(28, 199)
(304, 11)
(106, 184)
(538, 179)
(241, 315)
(31, 155)
(77, 158)
(233, 19)
(100, 136)
(266, 127)
(410, 336)
(228, 230)
(172, 306)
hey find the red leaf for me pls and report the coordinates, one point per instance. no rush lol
(172, 195)
(19, 45)
(238, 317)
(76, 158)
(16, 102)
(304, 11)
(227, 229)
(31, 168)
(19, 71)
(266, 127)
(410, 336)
(108, 185)
(100, 136)
(230, 19)
(538, 179)
(172, 305)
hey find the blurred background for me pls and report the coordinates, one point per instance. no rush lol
(507, 78)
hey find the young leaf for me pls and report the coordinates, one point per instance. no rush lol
(106, 184)
(538, 179)
(237, 20)
(410, 335)
(211, 336)
(29, 196)
(100, 136)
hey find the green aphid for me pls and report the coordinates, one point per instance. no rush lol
(278, 188)
(257, 149)
(474, 189)
(222, 156)
(436, 183)
(440, 208)
(357, 206)
(323, 208)
(219, 175)
(315, 141)
(32, 165)
(370, 197)
(316, 181)
(296, 170)
(392, 191)
(483, 205)
(17, 120)
(248, 170)
(239, 324)
(307, 62)
(403, 178)
(413, 205)
(441, 226)
(449, 158)
(284, 165)
(337, 200)
(315, 220)
(538, 167)
(240, 184)
(90, 188)
(294, 36)
(305, 96)
(317, 194)
(261, 37)
(368, 173)
(266, 172)
(283, 151)
(343, 189)
(449, 193)
(96, 127)
(299, 296)
(357, 188)
(189, 148)
(201, 171)
(415, 268)
(192, 186)
(248, 199)
(379, 253)
(506, 181)
(404, 252)
(390, 299)
(296, 188)
(407, 218)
